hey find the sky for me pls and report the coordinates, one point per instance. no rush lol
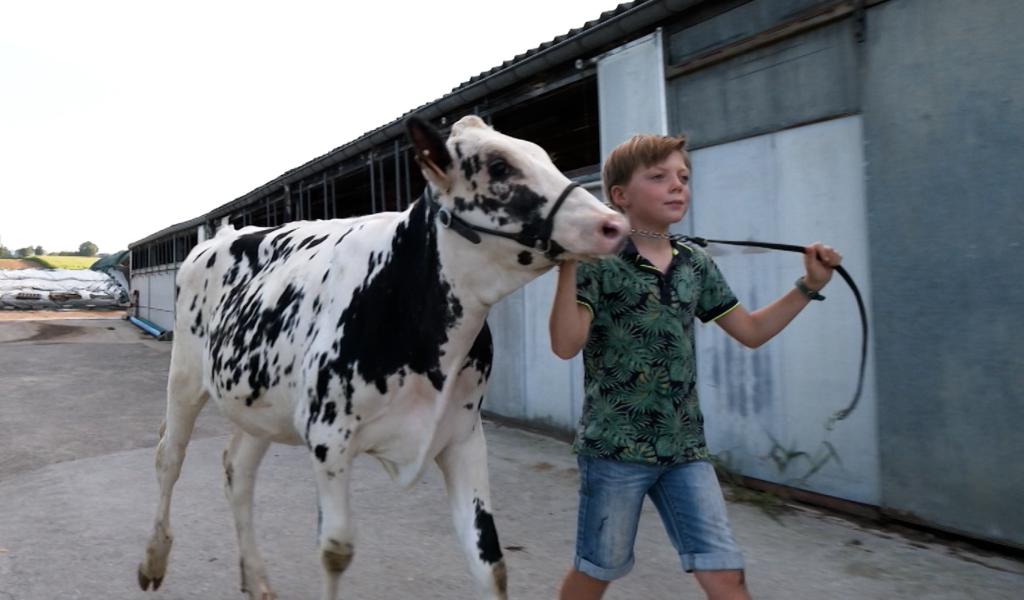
(120, 118)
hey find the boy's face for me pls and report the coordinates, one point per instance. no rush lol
(656, 196)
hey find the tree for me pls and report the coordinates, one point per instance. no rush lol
(5, 253)
(39, 251)
(24, 252)
(88, 249)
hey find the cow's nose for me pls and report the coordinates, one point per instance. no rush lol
(613, 229)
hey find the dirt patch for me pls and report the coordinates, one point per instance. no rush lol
(14, 264)
(49, 331)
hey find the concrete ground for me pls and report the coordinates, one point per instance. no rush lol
(80, 405)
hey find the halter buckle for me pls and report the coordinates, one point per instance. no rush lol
(445, 217)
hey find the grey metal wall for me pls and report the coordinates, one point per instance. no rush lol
(794, 186)
(156, 294)
(939, 87)
(944, 129)
(798, 80)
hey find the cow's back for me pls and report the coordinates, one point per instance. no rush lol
(254, 303)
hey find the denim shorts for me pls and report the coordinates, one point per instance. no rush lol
(687, 497)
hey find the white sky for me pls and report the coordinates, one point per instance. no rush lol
(119, 118)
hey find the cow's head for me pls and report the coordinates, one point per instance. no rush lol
(490, 185)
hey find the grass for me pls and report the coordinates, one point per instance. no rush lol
(63, 262)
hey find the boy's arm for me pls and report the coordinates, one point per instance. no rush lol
(754, 329)
(570, 321)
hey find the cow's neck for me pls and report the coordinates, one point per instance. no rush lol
(445, 269)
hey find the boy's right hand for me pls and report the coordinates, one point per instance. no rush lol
(819, 262)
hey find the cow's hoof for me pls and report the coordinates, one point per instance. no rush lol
(145, 581)
(264, 593)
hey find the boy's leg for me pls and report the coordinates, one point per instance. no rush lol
(692, 508)
(723, 585)
(611, 496)
(580, 586)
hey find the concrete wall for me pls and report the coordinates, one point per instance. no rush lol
(943, 120)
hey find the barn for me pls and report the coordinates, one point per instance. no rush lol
(888, 128)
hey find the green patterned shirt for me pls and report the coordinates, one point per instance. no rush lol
(640, 373)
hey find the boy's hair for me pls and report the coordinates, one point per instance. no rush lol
(638, 152)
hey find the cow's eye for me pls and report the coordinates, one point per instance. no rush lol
(498, 169)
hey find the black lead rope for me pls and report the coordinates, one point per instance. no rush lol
(842, 414)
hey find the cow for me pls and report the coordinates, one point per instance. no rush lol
(368, 335)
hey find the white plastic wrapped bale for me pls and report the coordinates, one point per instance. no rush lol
(60, 288)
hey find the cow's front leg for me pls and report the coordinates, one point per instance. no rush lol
(465, 473)
(332, 464)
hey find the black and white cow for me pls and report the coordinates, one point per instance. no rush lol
(369, 335)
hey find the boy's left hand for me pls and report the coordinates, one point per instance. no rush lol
(819, 261)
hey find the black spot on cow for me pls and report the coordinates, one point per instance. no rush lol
(213, 259)
(321, 452)
(383, 332)
(525, 258)
(197, 325)
(343, 236)
(330, 413)
(487, 542)
(468, 406)
(481, 353)
(311, 242)
(470, 166)
(248, 245)
(200, 255)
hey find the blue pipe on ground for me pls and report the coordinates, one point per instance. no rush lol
(150, 328)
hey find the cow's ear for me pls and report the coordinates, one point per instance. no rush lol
(430, 151)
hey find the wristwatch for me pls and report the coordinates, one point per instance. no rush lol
(806, 291)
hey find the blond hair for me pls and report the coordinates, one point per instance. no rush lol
(638, 152)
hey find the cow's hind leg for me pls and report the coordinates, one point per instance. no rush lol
(185, 398)
(465, 473)
(241, 460)
(332, 465)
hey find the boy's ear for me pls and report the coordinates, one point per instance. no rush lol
(618, 197)
(430, 151)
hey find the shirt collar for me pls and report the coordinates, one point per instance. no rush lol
(630, 254)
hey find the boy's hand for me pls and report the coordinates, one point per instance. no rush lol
(819, 261)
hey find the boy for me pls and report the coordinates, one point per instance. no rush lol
(641, 431)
